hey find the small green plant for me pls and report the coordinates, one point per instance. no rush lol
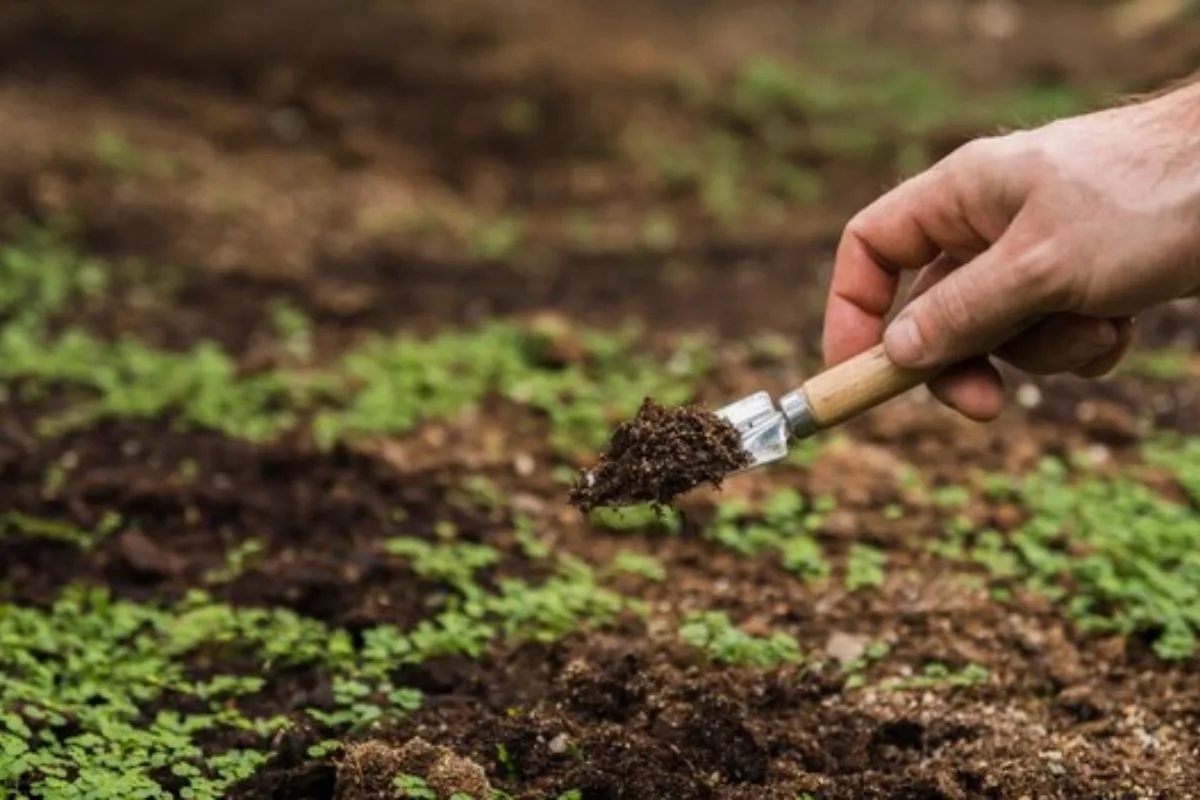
(659, 231)
(937, 675)
(715, 634)
(36, 527)
(383, 386)
(865, 567)
(1170, 363)
(950, 497)
(1179, 455)
(413, 786)
(639, 517)
(874, 651)
(506, 762)
(119, 155)
(532, 545)
(454, 564)
(294, 329)
(237, 560)
(497, 239)
(783, 524)
(639, 564)
(1116, 555)
(797, 184)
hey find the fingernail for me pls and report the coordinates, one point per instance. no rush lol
(903, 341)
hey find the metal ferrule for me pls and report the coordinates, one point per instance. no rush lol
(798, 412)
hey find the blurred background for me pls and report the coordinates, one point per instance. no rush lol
(417, 163)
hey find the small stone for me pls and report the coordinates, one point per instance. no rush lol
(524, 465)
(1029, 396)
(846, 647)
(147, 556)
(997, 19)
(558, 745)
(1099, 454)
(528, 504)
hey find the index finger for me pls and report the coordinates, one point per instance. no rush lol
(863, 289)
(905, 229)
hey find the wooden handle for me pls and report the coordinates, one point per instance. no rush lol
(859, 384)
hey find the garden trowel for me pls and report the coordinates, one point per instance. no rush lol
(823, 401)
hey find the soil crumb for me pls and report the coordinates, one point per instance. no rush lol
(371, 769)
(658, 455)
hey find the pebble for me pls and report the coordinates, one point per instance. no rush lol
(524, 464)
(558, 745)
(997, 19)
(1029, 396)
(845, 647)
(145, 555)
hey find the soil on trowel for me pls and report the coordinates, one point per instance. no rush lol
(660, 454)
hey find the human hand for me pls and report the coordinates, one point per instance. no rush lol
(1036, 247)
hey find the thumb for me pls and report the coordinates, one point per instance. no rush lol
(979, 306)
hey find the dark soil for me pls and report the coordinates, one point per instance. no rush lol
(660, 454)
(309, 137)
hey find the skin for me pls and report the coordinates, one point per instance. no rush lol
(1037, 248)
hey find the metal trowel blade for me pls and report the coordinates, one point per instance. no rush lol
(763, 427)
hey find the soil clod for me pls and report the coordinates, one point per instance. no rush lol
(660, 454)
(371, 768)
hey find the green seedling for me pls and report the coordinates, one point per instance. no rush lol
(950, 497)
(874, 652)
(638, 564)
(507, 763)
(532, 546)
(784, 524)
(413, 786)
(642, 517)
(1170, 363)
(1117, 556)
(119, 155)
(865, 567)
(237, 561)
(385, 386)
(797, 184)
(497, 239)
(1179, 455)
(34, 527)
(454, 564)
(659, 231)
(293, 328)
(937, 675)
(715, 634)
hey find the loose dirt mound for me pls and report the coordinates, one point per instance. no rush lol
(660, 454)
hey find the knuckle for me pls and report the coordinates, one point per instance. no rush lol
(977, 153)
(954, 310)
(1039, 272)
